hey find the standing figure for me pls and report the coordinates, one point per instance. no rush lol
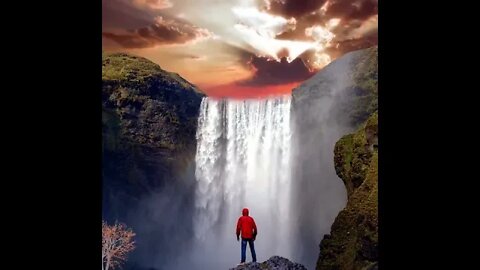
(248, 229)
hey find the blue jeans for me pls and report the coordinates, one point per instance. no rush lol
(252, 249)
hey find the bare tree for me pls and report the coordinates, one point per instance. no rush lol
(117, 242)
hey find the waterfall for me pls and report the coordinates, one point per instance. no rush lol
(243, 160)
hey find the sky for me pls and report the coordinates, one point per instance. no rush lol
(242, 48)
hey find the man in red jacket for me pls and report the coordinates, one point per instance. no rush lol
(246, 225)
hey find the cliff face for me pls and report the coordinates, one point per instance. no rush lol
(349, 83)
(149, 123)
(353, 241)
(334, 102)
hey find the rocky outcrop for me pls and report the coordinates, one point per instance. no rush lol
(334, 102)
(149, 124)
(347, 87)
(274, 263)
(353, 241)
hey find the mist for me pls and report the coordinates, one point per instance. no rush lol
(163, 223)
(271, 155)
(243, 160)
(319, 119)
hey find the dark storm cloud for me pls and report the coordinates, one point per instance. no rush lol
(350, 33)
(161, 32)
(269, 72)
(295, 8)
(344, 9)
(132, 27)
(350, 13)
(341, 47)
(352, 10)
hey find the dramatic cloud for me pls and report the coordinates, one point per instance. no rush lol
(348, 45)
(254, 44)
(319, 34)
(337, 27)
(324, 9)
(162, 32)
(295, 8)
(266, 24)
(259, 29)
(354, 35)
(269, 72)
(366, 28)
(322, 36)
(348, 10)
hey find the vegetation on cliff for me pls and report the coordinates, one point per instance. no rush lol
(149, 122)
(364, 87)
(146, 104)
(353, 241)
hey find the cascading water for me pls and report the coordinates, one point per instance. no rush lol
(274, 156)
(243, 160)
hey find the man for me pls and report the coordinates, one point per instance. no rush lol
(247, 227)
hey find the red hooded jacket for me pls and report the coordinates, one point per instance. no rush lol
(246, 225)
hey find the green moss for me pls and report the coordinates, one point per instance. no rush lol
(365, 85)
(120, 66)
(353, 242)
(372, 121)
(343, 155)
(149, 124)
(183, 82)
(155, 107)
(126, 69)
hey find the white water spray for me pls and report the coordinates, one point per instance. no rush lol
(243, 160)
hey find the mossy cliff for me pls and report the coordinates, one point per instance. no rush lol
(336, 101)
(353, 241)
(149, 123)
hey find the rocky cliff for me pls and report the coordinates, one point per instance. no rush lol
(274, 263)
(334, 102)
(347, 87)
(353, 241)
(149, 123)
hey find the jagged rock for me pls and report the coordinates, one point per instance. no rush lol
(274, 263)
(353, 241)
